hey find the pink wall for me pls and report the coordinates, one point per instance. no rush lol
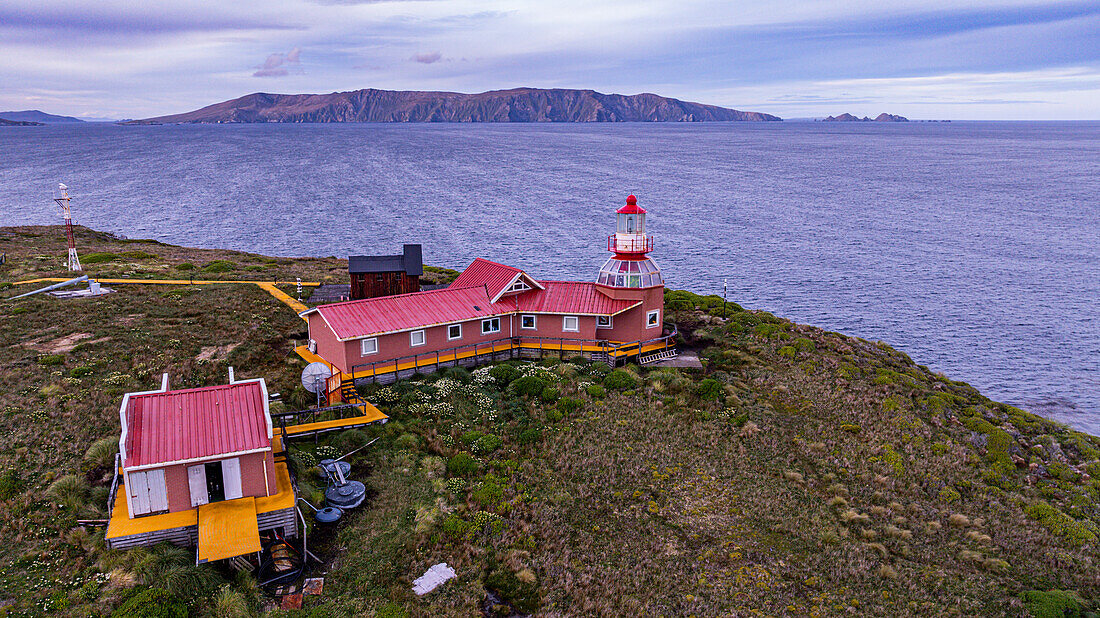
(328, 346)
(629, 325)
(435, 338)
(252, 480)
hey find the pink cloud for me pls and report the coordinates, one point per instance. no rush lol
(427, 58)
(277, 65)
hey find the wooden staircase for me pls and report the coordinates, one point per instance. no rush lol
(656, 356)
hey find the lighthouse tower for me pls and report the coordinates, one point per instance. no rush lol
(630, 274)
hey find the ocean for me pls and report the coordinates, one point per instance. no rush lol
(972, 246)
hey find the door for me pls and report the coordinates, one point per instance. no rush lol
(231, 478)
(215, 488)
(158, 491)
(148, 492)
(196, 481)
(138, 488)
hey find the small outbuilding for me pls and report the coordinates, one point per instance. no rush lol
(386, 275)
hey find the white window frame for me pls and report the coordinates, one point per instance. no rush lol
(459, 336)
(363, 346)
(490, 322)
(519, 286)
(412, 338)
(601, 318)
(565, 324)
(653, 319)
(534, 321)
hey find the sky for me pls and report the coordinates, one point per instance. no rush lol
(925, 59)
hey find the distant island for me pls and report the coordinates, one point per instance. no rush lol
(880, 118)
(36, 116)
(4, 122)
(516, 105)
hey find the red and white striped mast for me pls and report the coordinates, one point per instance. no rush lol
(66, 212)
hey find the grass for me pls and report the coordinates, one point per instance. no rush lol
(800, 473)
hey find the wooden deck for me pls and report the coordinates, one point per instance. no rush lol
(372, 415)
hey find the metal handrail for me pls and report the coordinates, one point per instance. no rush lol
(382, 367)
(114, 486)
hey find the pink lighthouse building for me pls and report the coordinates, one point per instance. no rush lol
(493, 312)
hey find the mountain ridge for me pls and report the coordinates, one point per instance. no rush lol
(35, 115)
(514, 105)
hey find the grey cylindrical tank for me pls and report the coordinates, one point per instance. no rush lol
(347, 496)
(327, 464)
(328, 515)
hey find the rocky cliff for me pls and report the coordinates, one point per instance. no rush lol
(517, 105)
(883, 117)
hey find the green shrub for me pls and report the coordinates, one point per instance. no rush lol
(788, 351)
(407, 441)
(455, 527)
(462, 464)
(504, 374)
(185, 266)
(390, 609)
(350, 440)
(520, 590)
(487, 493)
(51, 360)
(851, 428)
(327, 451)
(529, 386)
(138, 255)
(620, 379)
(486, 444)
(10, 484)
(70, 490)
(470, 437)
(554, 415)
(569, 405)
(219, 266)
(81, 371)
(710, 389)
(1073, 531)
(550, 394)
(152, 603)
(97, 258)
(1052, 603)
(102, 452)
(595, 390)
(949, 494)
(530, 436)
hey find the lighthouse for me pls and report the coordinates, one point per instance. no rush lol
(630, 274)
(631, 266)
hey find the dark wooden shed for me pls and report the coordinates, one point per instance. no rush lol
(386, 275)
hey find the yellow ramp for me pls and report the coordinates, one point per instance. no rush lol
(370, 415)
(228, 529)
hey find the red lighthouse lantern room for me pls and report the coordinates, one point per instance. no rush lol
(630, 267)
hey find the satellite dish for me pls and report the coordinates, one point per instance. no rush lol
(314, 376)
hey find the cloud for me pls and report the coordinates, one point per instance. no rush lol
(428, 58)
(278, 65)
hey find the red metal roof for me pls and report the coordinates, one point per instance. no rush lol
(195, 423)
(388, 314)
(493, 276)
(570, 297)
(632, 207)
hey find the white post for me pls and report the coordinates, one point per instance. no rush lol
(299, 289)
(164, 382)
(231, 375)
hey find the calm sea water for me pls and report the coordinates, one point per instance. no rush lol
(974, 247)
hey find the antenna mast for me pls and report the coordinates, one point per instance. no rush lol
(66, 212)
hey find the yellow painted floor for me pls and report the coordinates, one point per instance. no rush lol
(227, 529)
(121, 524)
(371, 415)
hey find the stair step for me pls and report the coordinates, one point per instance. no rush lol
(656, 356)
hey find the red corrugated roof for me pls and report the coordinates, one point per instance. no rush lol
(493, 276)
(387, 314)
(570, 297)
(195, 423)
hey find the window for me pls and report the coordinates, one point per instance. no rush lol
(454, 331)
(653, 319)
(603, 321)
(416, 338)
(368, 346)
(490, 326)
(527, 321)
(519, 286)
(570, 323)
